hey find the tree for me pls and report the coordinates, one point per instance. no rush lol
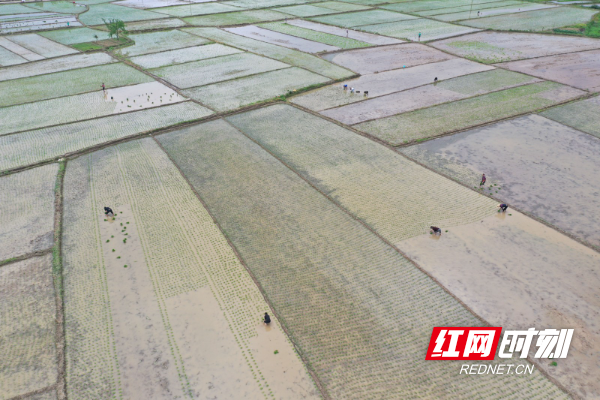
(115, 26)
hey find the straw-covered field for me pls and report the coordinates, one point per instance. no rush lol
(292, 157)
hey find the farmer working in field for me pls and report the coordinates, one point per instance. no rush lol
(267, 319)
(503, 207)
(435, 230)
(108, 212)
(483, 179)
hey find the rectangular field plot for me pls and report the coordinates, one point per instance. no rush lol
(368, 61)
(181, 56)
(410, 29)
(341, 6)
(64, 7)
(152, 284)
(385, 83)
(306, 10)
(218, 69)
(540, 165)
(333, 40)
(289, 56)
(196, 9)
(69, 109)
(7, 58)
(55, 65)
(151, 24)
(19, 50)
(582, 115)
(27, 327)
(27, 211)
(427, 96)
(280, 39)
(510, 9)
(237, 93)
(76, 35)
(160, 41)
(68, 83)
(314, 260)
(444, 118)
(538, 20)
(7, 9)
(503, 268)
(236, 18)
(334, 30)
(44, 144)
(266, 3)
(97, 12)
(493, 47)
(581, 70)
(349, 20)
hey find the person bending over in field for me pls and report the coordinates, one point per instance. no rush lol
(483, 179)
(267, 319)
(503, 207)
(435, 230)
(108, 212)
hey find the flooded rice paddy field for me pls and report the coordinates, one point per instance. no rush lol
(290, 157)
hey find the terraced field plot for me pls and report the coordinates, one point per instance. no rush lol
(98, 11)
(310, 255)
(181, 56)
(265, 3)
(581, 70)
(8, 9)
(539, 164)
(410, 29)
(69, 109)
(27, 327)
(218, 69)
(27, 211)
(67, 83)
(538, 20)
(156, 42)
(582, 115)
(55, 65)
(49, 143)
(429, 95)
(492, 47)
(236, 93)
(42, 46)
(352, 34)
(333, 40)
(64, 7)
(385, 83)
(236, 18)
(283, 54)
(437, 120)
(293, 42)
(131, 290)
(75, 35)
(368, 61)
(349, 20)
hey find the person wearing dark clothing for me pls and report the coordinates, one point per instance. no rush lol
(503, 207)
(103, 87)
(435, 79)
(108, 211)
(436, 230)
(483, 179)
(267, 319)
